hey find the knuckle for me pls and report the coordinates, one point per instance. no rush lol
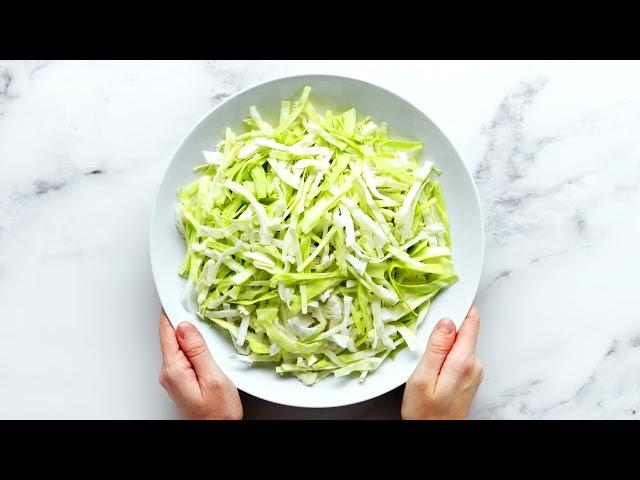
(214, 383)
(172, 374)
(479, 369)
(467, 365)
(418, 382)
(163, 378)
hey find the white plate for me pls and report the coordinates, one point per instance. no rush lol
(405, 121)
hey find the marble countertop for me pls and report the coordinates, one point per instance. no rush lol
(554, 150)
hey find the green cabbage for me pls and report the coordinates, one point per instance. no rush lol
(317, 243)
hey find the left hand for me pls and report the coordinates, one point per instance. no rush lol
(192, 379)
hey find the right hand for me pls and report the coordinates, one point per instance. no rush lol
(449, 374)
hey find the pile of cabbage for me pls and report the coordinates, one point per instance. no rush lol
(317, 243)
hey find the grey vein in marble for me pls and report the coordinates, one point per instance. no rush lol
(37, 65)
(508, 158)
(511, 157)
(229, 78)
(510, 402)
(6, 79)
(11, 73)
(5, 82)
(219, 97)
(594, 398)
(45, 186)
(12, 207)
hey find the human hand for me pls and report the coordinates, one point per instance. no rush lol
(192, 379)
(448, 375)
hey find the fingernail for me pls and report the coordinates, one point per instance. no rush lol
(445, 326)
(184, 330)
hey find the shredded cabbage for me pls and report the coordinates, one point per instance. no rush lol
(318, 243)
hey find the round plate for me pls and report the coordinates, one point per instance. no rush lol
(404, 121)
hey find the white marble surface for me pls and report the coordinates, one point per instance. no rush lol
(555, 152)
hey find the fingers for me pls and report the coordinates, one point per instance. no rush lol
(461, 365)
(195, 349)
(468, 333)
(440, 342)
(168, 343)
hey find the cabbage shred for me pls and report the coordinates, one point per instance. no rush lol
(318, 243)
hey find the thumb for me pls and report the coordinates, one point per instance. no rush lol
(195, 349)
(440, 342)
